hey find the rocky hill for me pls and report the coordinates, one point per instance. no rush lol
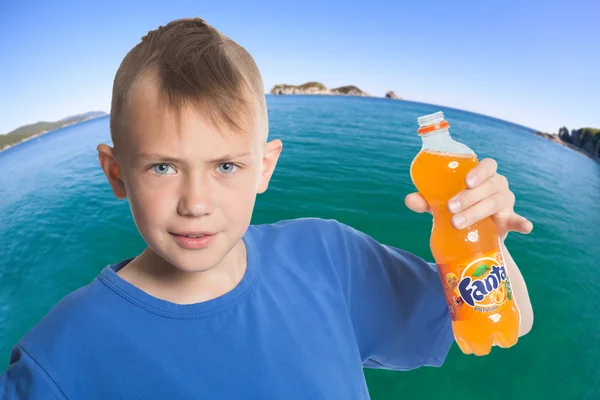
(317, 88)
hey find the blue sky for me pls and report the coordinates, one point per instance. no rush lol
(531, 62)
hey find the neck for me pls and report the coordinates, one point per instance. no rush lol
(159, 278)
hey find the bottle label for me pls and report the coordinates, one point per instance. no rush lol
(476, 286)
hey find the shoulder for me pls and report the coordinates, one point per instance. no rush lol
(315, 232)
(68, 323)
(308, 241)
(298, 233)
(298, 225)
(307, 229)
(26, 378)
(70, 333)
(318, 240)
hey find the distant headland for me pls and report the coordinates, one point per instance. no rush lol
(27, 132)
(583, 140)
(319, 88)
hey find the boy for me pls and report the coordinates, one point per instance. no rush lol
(214, 308)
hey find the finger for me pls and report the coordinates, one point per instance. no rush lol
(416, 203)
(485, 208)
(469, 197)
(519, 224)
(483, 171)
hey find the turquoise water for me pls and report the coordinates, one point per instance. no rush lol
(345, 158)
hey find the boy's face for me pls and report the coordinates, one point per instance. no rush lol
(188, 178)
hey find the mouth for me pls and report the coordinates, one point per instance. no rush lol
(193, 235)
(194, 240)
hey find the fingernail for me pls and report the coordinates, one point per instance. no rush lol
(528, 226)
(454, 206)
(471, 180)
(458, 221)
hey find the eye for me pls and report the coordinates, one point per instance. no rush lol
(227, 168)
(161, 169)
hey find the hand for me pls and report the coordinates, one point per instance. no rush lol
(487, 195)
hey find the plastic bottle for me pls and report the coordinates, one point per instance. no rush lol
(470, 262)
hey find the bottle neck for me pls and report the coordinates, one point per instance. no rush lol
(432, 140)
(441, 141)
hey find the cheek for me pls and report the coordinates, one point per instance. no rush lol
(149, 202)
(239, 201)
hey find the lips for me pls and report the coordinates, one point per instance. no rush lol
(194, 240)
(192, 234)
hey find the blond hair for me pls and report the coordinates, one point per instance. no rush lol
(193, 65)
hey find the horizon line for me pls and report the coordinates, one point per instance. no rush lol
(345, 96)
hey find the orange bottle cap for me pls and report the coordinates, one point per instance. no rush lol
(434, 127)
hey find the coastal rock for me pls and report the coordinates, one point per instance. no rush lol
(390, 94)
(564, 135)
(575, 137)
(549, 136)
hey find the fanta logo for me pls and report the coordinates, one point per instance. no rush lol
(475, 291)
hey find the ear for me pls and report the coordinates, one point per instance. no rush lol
(112, 170)
(269, 161)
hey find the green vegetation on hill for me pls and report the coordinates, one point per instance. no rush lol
(311, 85)
(589, 135)
(347, 89)
(36, 128)
(9, 140)
(25, 132)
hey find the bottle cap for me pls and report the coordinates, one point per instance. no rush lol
(431, 122)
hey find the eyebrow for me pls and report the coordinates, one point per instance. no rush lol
(165, 158)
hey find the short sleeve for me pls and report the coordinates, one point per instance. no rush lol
(26, 380)
(396, 303)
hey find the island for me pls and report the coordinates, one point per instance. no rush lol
(28, 132)
(317, 88)
(583, 140)
(390, 94)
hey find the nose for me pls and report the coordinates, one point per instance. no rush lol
(197, 197)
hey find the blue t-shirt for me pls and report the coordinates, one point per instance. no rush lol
(318, 302)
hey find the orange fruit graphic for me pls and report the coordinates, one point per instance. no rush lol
(499, 296)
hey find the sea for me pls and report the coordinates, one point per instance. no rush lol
(346, 158)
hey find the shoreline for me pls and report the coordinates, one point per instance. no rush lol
(37, 135)
(556, 139)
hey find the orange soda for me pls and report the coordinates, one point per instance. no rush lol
(470, 262)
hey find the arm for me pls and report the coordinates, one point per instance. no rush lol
(517, 283)
(395, 301)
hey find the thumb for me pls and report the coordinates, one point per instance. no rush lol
(519, 224)
(417, 203)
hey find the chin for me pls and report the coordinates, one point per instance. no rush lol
(194, 261)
